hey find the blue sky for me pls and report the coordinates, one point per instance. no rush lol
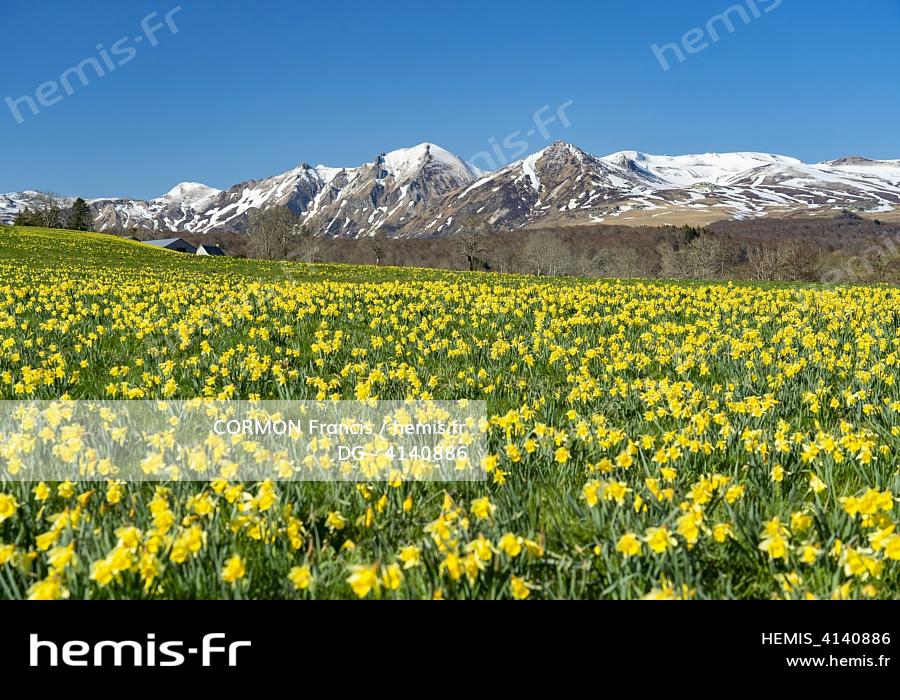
(247, 90)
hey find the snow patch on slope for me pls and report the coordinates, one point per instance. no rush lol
(528, 167)
(714, 168)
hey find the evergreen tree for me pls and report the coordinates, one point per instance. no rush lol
(80, 218)
(691, 233)
(26, 217)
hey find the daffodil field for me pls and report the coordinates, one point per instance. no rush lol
(646, 439)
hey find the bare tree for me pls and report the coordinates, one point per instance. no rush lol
(377, 243)
(271, 232)
(506, 260)
(621, 263)
(704, 257)
(473, 238)
(804, 262)
(544, 254)
(767, 261)
(47, 209)
(306, 240)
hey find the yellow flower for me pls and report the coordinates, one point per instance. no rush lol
(734, 493)
(481, 548)
(533, 548)
(411, 556)
(666, 593)
(721, 532)
(50, 588)
(60, 557)
(148, 568)
(120, 559)
(266, 497)
(47, 539)
(892, 547)
(800, 522)
(510, 544)
(591, 492)
(688, 525)
(616, 491)
(869, 503)
(668, 474)
(861, 564)
(335, 521)
(562, 455)
(234, 569)
(8, 507)
(7, 552)
(809, 553)
(392, 577)
(816, 484)
(129, 537)
(659, 539)
(41, 492)
(482, 508)
(301, 577)
(363, 579)
(519, 588)
(102, 572)
(789, 582)
(114, 492)
(776, 547)
(774, 528)
(629, 545)
(452, 566)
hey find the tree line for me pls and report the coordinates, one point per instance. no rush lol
(841, 250)
(847, 248)
(48, 213)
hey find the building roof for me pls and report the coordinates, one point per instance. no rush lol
(165, 242)
(211, 249)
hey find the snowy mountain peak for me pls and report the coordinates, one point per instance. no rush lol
(189, 193)
(404, 162)
(564, 148)
(625, 157)
(852, 160)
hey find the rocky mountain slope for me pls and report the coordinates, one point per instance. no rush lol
(428, 191)
(388, 192)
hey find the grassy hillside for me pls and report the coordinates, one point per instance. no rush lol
(76, 251)
(647, 439)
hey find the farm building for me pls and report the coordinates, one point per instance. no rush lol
(206, 249)
(177, 244)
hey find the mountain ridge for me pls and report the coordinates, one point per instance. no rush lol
(427, 190)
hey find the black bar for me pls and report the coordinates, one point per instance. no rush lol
(753, 640)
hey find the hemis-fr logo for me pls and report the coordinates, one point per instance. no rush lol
(213, 650)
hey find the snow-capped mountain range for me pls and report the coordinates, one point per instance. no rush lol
(428, 191)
